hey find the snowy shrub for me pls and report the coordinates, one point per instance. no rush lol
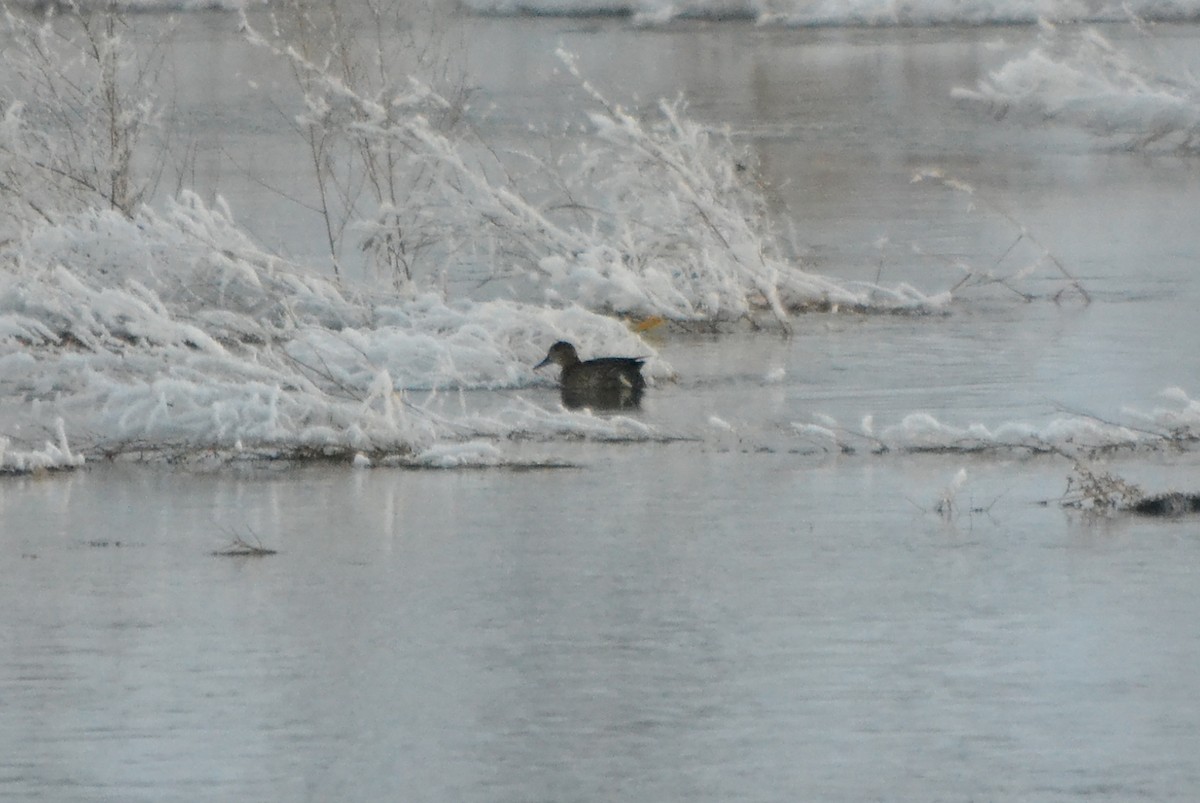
(642, 218)
(172, 331)
(638, 217)
(75, 117)
(1083, 79)
(358, 103)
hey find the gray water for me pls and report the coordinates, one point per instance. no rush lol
(667, 624)
(724, 618)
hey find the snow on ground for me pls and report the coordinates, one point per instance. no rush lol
(149, 6)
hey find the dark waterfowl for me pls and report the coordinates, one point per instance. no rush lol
(605, 382)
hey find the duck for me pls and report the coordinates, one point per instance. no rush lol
(603, 382)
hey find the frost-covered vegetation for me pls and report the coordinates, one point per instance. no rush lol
(52, 456)
(1093, 489)
(78, 114)
(171, 330)
(1176, 423)
(137, 318)
(639, 218)
(164, 328)
(1081, 78)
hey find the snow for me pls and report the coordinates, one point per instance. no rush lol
(968, 12)
(524, 420)
(827, 13)
(149, 6)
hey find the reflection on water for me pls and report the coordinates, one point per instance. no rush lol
(605, 398)
(672, 623)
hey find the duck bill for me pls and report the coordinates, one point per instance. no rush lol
(542, 364)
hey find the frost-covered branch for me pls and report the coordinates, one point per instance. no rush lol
(359, 104)
(640, 216)
(77, 116)
(974, 278)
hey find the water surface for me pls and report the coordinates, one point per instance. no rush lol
(670, 623)
(731, 617)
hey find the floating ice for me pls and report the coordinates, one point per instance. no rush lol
(472, 454)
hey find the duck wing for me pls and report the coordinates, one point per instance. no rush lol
(614, 371)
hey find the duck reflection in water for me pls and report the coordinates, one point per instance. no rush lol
(605, 383)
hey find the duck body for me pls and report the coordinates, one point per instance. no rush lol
(604, 382)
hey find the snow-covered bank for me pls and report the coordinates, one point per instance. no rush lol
(1083, 79)
(967, 12)
(173, 331)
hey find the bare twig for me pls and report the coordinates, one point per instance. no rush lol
(241, 548)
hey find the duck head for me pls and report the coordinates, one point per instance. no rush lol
(561, 353)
